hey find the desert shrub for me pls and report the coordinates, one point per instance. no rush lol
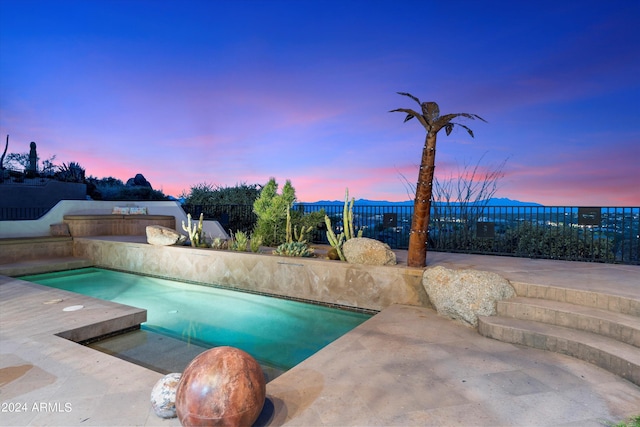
(231, 206)
(271, 210)
(211, 194)
(557, 242)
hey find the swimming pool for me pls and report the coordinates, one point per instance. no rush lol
(276, 332)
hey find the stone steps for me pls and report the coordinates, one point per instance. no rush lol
(611, 301)
(597, 327)
(621, 327)
(612, 355)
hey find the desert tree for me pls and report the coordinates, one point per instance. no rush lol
(464, 196)
(430, 118)
(460, 198)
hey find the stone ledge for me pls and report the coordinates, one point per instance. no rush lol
(90, 217)
(115, 224)
(32, 240)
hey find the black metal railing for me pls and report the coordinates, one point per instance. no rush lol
(22, 213)
(602, 234)
(231, 217)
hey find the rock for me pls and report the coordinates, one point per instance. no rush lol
(361, 250)
(333, 254)
(163, 395)
(465, 294)
(139, 180)
(163, 236)
(223, 386)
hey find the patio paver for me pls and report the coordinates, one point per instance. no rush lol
(405, 366)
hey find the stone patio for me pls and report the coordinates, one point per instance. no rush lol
(405, 366)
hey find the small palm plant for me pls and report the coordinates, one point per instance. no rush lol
(433, 122)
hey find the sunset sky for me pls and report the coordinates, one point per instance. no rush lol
(227, 92)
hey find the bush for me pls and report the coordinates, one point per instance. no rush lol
(232, 207)
(271, 210)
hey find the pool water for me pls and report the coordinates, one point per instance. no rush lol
(276, 332)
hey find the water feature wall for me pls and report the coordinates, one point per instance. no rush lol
(331, 282)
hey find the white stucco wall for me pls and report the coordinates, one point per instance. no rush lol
(40, 227)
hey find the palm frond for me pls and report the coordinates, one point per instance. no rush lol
(443, 120)
(470, 116)
(411, 114)
(468, 130)
(478, 117)
(448, 128)
(410, 96)
(405, 110)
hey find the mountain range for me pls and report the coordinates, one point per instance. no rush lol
(500, 201)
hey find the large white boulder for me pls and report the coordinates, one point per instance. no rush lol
(163, 236)
(465, 294)
(362, 250)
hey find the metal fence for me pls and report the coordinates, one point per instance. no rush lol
(21, 213)
(231, 217)
(598, 234)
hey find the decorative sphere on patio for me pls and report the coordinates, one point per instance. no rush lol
(223, 386)
(163, 395)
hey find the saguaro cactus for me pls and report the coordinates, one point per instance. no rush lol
(195, 231)
(336, 241)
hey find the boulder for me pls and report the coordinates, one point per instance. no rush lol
(465, 294)
(139, 180)
(163, 236)
(163, 395)
(362, 250)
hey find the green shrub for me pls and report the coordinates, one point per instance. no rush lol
(271, 209)
(557, 242)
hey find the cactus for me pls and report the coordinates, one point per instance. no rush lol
(288, 238)
(336, 242)
(195, 231)
(239, 241)
(255, 242)
(300, 236)
(219, 243)
(347, 224)
(294, 249)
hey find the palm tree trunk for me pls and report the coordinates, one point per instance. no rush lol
(417, 255)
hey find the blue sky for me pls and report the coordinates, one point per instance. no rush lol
(226, 92)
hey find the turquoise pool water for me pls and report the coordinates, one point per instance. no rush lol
(276, 332)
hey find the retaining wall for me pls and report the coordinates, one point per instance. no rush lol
(331, 282)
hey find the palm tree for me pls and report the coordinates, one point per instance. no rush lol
(433, 122)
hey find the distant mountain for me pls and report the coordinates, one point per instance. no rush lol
(501, 201)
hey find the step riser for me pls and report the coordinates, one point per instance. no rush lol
(577, 321)
(613, 303)
(598, 357)
(46, 267)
